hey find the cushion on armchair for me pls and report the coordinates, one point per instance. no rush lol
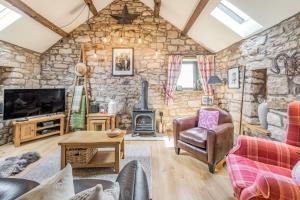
(194, 136)
(208, 119)
(98, 193)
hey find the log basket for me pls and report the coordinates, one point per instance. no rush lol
(80, 155)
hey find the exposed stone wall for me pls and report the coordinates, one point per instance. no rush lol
(23, 73)
(257, 54)
(55, 68)
(58, 62)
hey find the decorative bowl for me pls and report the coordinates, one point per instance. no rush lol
(114, 133)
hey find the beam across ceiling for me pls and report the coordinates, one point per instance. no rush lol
(157, 4)
(200, 7)
(37, 17)
(91, 6)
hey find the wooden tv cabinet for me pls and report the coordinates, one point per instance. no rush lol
(39, 127)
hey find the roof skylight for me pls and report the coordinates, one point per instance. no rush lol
(235, 19)
(7, 17)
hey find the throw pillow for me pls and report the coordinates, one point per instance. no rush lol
(97, 193)
(296, 171)
(208, 119)
(94, 193)
(58, 187)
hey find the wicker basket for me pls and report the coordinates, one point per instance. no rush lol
(80, 155)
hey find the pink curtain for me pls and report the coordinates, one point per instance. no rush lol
(206, 66)
(174, 67)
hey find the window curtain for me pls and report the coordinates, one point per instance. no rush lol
(206, 66)
(174, 68)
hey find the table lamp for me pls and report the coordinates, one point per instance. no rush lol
(214, 80)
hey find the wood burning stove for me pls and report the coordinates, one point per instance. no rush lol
(143, 119)
(143, 122)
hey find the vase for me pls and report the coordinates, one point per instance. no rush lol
(112, 107)
(262, 114)
(95, 107)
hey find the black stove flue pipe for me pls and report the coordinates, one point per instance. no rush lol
(144, 95)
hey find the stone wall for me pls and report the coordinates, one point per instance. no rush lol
(55, 68)
(57, 64)
(257, 54)
(23, 72)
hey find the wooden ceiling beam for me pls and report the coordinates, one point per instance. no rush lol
(157, 4)
(91, 6)
(37, 17)
(200, 7)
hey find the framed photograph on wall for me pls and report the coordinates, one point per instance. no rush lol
(234, 78)
(123, 62)
(207, 100)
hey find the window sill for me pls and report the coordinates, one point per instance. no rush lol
(188, 91)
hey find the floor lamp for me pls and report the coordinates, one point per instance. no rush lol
(242, 103)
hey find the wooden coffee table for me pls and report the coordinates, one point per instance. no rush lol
(94, 140)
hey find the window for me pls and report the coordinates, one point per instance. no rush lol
(7, 17)
(235, 19)
(188, 76)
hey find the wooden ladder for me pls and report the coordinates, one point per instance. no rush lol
(78, 80)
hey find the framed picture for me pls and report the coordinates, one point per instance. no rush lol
(122, 62)
(207, 100)
(234, 78)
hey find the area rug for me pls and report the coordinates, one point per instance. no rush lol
(159, 137)
(51, 165)
(13, 165)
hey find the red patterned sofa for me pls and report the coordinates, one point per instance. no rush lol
(261, 169)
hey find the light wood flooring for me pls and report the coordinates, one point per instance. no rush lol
(173, 177)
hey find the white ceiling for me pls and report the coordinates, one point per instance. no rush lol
(176, 11)
(68, 10)
(215, 36)
(209, 32)
(28, 33)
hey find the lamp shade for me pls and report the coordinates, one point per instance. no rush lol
(214, 80)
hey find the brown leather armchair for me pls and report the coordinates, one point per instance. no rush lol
(210, 146)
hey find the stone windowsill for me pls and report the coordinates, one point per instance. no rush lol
(188, 92)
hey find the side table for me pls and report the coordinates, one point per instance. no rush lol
(255, 128)
(104, 120)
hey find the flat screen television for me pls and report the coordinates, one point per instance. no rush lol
(22, 103)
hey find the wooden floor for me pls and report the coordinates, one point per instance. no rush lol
(174, 177)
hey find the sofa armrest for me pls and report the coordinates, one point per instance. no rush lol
(266, 151)
(133, 182)
(182, 124)
(219, 142)
(272, 186)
